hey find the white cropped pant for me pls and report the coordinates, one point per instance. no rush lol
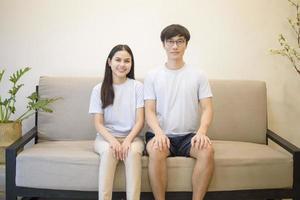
(108, 164)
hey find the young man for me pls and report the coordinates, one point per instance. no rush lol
(174, 94)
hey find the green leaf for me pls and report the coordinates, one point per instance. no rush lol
(18, 74)
(33, 96)
(12, 109)
(7, 105)
(47, 110)
(15, 89)
(5, 102)
(1, 74)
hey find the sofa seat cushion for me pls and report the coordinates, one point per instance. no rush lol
(243, 165)
(73, 165)
(69, 165)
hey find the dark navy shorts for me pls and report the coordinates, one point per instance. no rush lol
(179, 145)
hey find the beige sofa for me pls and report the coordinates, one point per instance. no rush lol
(62, 162)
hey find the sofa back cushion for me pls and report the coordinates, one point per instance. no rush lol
(70, 119)
(239, 109)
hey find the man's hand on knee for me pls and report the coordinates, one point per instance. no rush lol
(160, 141)
(200, 141)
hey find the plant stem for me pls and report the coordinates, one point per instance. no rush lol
(22, 116)
(1, 112)
(25, 115)
(298, 21)
(13, 97)
(5, 113)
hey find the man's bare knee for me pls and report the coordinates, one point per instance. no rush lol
(203, 154)
(155, 153)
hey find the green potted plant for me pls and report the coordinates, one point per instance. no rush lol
(11, 129)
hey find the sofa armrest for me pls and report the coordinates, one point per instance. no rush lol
(295, 151)
(10, 157)
(22, 141)
(282, 142)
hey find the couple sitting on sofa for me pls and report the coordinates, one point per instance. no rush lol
(172, 95)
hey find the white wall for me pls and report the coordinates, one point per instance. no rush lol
(230, 40)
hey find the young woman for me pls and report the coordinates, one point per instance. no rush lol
(117, 105)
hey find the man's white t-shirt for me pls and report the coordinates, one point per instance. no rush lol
(177, 94)
(119, 118)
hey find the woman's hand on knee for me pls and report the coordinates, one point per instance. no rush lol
(125, 148)
(116, 147)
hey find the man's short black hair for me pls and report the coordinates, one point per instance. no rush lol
(174, 30)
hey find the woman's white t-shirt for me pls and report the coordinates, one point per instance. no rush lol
(119, 118)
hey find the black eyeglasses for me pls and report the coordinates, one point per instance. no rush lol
(171, 43)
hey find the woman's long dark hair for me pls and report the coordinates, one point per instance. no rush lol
(107, 90)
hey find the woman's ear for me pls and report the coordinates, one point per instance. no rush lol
(109, 61)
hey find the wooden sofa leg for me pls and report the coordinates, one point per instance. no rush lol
(10, 195)
(296, 184)
(10, 174)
